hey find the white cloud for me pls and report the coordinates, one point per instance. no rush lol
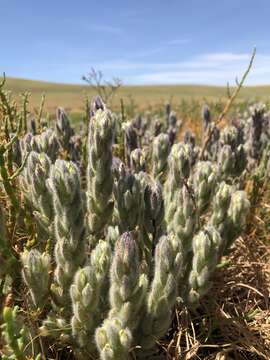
(208, 68)
(211, 68)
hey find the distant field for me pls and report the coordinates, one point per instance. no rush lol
(71, 96)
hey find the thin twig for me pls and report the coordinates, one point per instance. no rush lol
(228, 104)
(39, 116)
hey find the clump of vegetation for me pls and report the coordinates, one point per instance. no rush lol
(104, 233)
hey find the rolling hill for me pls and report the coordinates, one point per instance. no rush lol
(71, 96)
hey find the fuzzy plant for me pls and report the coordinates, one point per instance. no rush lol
(160, 152)
(89, 301)
(205, 247)
(47, 143)
(254, 144)
(226, 162)
(232, 136)
(156, 314)
(228, 219)
(212, 148)
(128, 286)
(130, 140)
(148, 219)
(157, 127)
(112, 234)
(85, 297)
(35, 188)
(214, 239)
(172, 121)
(230, 209)
(138, 160)
(69, 142)
(190, 139)
(69, 230)
(237, 215)
(140, 125)
(75, 150)
(100, 260)
(167, 110)
(153, 208)
(113, 340)
(173, 127)
(26, 143)
(206, 117)
(64, 131)
(265, 135)
(16, 152)
(263, 169)
(129, 199)
(36, 275)
(33, 127)
(96, 104)
(178, 173)
(221, 204)
(232, 158)
(99, 173)
(131, 238)
(257, 134)
(184, 222)
(204, 182)
(211, 130)
(127, 282)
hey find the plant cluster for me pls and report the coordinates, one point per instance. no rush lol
(96, 250)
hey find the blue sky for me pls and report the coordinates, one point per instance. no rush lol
(139, 41)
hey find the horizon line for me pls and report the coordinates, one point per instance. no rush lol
(130, 85)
